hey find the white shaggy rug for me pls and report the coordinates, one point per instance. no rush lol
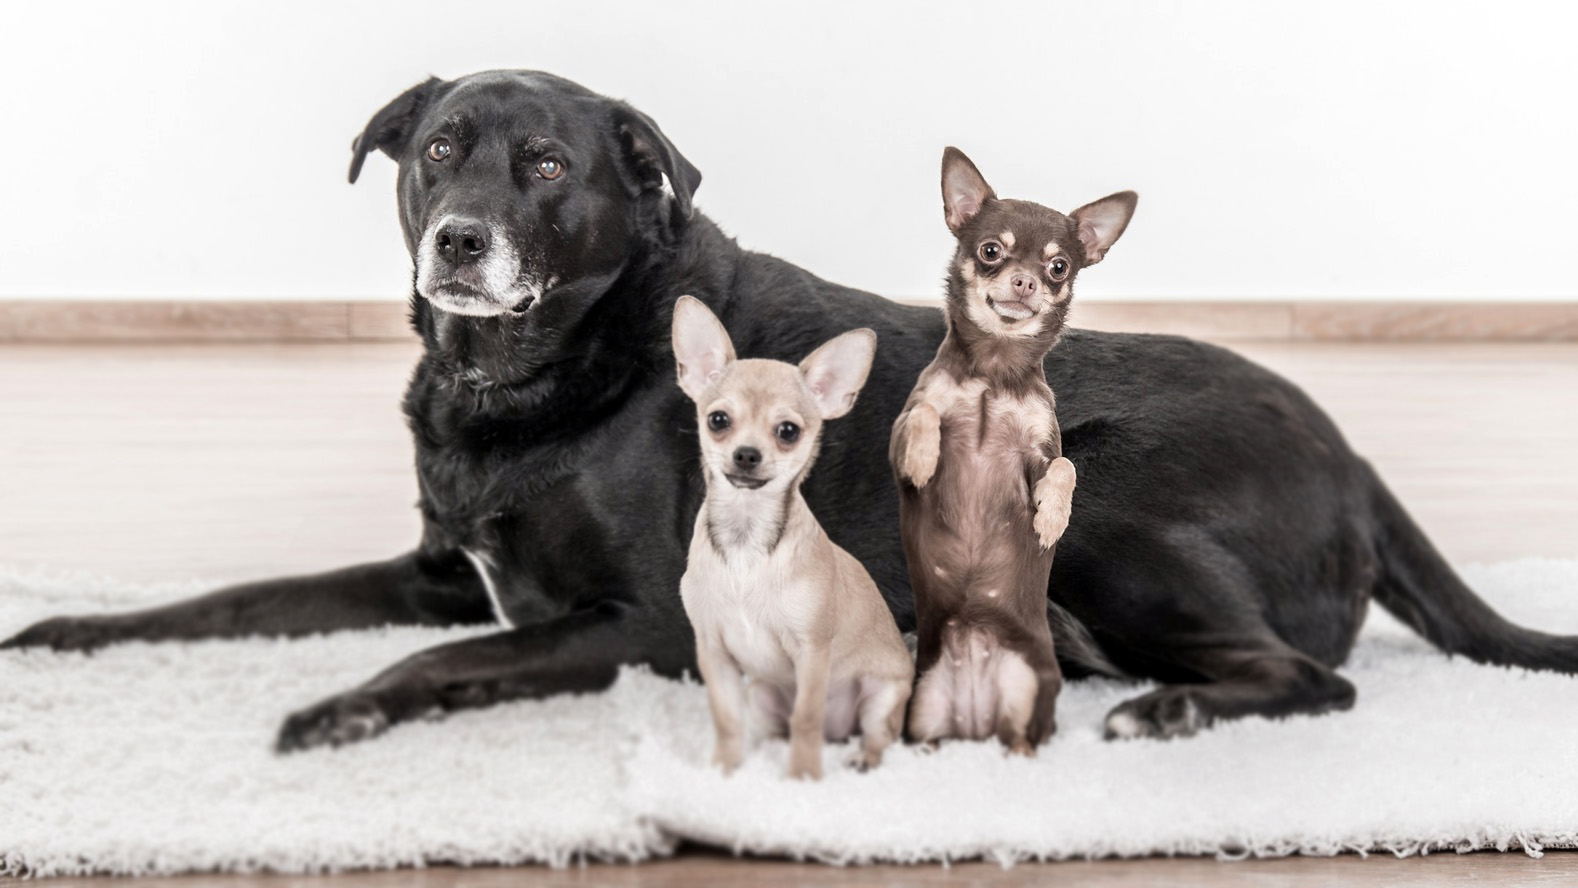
(156, 759)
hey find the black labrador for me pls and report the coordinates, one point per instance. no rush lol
(1225, 540)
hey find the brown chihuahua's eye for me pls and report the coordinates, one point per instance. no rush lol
(788, 432)
(550, 169)
(990, 252)
(439, 150)
(717, 420)
(1058, 268)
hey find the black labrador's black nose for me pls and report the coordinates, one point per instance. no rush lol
(1024, 286)
(746, 459)
(462, 241)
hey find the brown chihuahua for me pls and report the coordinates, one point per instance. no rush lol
(984, 489)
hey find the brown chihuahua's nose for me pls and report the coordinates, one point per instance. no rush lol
(746, 459)
(1024, 286)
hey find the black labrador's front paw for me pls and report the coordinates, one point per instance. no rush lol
(1162, 714)
(65, 634)
(347, 718)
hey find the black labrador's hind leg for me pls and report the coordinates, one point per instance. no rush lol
(1261, 677)
(579, 652)
(417, 588)
(1190, 611)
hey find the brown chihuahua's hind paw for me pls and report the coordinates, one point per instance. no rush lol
(1021, 746)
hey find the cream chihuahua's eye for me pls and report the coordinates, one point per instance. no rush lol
(717, 420)
(990, 252)
(788, 432)
(438, 150)
(1058, 268)
(550, 169)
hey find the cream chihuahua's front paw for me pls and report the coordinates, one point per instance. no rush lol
(1054, 496)
(864, 759)
(728, 756)
(922, 445)
(805, 767)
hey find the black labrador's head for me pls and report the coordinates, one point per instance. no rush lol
(520, 190)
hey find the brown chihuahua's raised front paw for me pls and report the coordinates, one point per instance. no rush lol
(1054, 496)
(922, 446)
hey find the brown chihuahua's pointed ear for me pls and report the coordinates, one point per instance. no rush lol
(964, 189)
(837, 371)
(1102, 223)
(654, 157)
(702, 350)
(391, 127)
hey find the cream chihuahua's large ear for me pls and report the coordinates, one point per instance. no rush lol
(1102, 222)
(702, 349)
(835, 372)
(964, 189)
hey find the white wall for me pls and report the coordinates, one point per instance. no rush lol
(1319, 150)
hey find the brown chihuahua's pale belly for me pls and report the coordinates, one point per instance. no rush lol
(976, 561)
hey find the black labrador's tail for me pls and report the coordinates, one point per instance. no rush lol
(1421, 589)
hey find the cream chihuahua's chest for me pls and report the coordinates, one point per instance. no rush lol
(756, 604)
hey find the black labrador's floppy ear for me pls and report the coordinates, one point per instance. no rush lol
(655, 156)
(391, 127)
(964, 189)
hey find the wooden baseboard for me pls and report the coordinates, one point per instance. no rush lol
(332, 321)
(1340, 321)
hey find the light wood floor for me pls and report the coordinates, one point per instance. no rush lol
(232, 461)
(701, 869)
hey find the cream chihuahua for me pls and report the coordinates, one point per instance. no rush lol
(769, 595)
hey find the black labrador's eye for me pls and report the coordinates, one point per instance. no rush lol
(1058, 268)
(990, 252)
(717, 420)
(788, 432)
(550, 169)
(438, 151)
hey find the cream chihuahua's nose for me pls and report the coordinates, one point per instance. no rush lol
(746, 459)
